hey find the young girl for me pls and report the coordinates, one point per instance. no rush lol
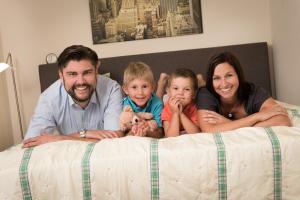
(179, 115)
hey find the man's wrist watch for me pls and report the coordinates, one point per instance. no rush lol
(82, 134)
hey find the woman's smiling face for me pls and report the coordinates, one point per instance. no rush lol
(225, 81)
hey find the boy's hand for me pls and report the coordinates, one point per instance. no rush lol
(175, 105)
(140, 128)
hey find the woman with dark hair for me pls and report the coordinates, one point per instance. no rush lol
(229, 102)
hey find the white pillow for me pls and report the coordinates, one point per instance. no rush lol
(293, 111)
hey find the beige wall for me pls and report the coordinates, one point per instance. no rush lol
(6, 138)
(285, 15)
(31, 29)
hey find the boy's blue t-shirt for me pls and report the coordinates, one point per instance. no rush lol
(154, 106)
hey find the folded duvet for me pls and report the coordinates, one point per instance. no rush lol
(247, 163)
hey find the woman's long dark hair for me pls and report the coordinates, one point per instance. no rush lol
(227, 57)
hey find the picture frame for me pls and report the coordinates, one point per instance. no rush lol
(128, 20)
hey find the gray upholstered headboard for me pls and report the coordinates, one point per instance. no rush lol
(254, 59)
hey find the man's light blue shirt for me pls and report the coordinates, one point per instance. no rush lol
(57, 110)
(154, 106)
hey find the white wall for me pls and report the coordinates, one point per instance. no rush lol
(6, 139)
(30, 29)
(285, 15)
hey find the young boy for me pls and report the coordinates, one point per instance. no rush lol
(180, 113)
(138, 85)
(162, 83)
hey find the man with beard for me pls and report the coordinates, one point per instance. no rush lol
(81, 105)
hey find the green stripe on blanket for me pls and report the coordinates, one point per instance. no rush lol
(222, 177)
(23, 173)
(154, 170)
(294, 112)
(277, 162)
(85, 172)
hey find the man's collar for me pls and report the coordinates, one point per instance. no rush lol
(93, 100)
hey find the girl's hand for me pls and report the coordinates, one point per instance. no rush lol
(213, 117)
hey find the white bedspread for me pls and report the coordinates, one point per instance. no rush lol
(248, 163)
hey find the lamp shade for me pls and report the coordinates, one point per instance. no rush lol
(3, 67)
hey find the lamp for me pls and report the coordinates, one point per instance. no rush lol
(4, 66)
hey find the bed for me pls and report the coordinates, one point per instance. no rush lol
(247, 163)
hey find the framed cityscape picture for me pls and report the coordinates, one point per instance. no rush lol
(127, 20)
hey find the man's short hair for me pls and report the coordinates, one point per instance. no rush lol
(138, 70)
(77, 53)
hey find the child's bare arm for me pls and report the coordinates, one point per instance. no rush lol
(156, 133)
(188, 125)
(161, 85)
(172, 127)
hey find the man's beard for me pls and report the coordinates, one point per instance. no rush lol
(72, 93)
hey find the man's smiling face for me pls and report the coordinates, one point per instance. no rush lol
(79, 79)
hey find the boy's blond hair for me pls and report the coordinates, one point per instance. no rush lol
(138, 70)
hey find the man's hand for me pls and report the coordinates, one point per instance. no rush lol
(42, 139)
(91, 136)
(102, 134)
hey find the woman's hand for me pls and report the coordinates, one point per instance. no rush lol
(270, 112)
(213, 117)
